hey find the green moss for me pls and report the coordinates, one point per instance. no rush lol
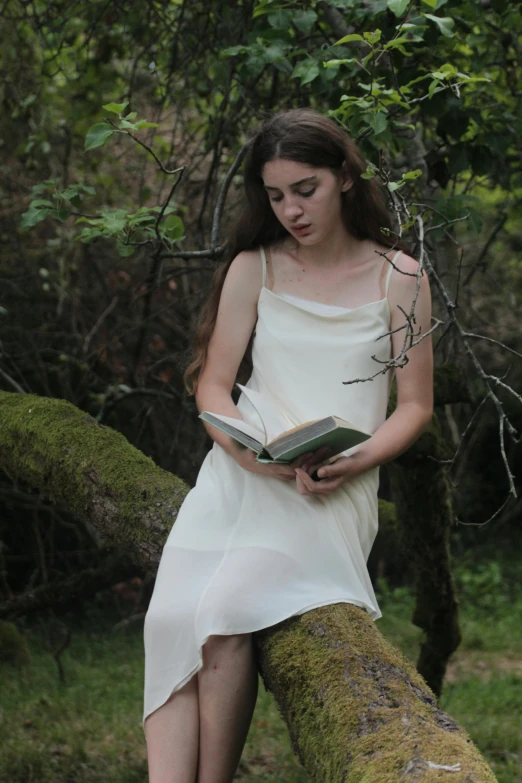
(91, 468)
(357, 710)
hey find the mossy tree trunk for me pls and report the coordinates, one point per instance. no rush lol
(355, 708)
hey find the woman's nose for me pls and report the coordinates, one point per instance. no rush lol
(292, 210)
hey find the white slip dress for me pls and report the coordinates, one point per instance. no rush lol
(248, 551)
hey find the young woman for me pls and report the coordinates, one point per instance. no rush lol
(323, 291)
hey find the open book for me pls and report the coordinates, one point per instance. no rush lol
(275, 443)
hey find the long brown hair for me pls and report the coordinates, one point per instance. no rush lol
(304, 136)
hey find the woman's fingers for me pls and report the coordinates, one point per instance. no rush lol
(311, 487)
(297, 463)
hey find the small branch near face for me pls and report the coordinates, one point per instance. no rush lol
(151, 152)
(167, 202)
(220, 204)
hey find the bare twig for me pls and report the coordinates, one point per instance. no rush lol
(16, 386)
(495, 342)
(145, 147)
(108, 310)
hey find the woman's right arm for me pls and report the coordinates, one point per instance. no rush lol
(236, 319)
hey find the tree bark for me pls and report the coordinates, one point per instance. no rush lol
(422, 499)
(355, 708)
(423, 505)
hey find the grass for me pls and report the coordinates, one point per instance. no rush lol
(88, 728)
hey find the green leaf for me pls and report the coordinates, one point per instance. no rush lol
(398, 7)
(396, 43)
(73, 191)
(144, 124)
(305, 20)
(444, 23)
(34, 216)
(174, 227)
(233, 51)
(378, 122)
(280, 20)
(445, 71)
(125, 250)
(97, 136)
(431, 3)
(373, 37)
(434, 85)
(348, 39)
(415, 174)
(113, 222)
(332, 63)
(369, 173)
(88, 234)
(41, 186)
(59, 214)
(41, 202)
(306, 70)
(115, 108)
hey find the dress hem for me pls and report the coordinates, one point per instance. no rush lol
(374, 613)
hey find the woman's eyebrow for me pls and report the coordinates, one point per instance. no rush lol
(293, 184)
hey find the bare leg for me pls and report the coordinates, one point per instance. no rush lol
(172, 734)
(227, 696)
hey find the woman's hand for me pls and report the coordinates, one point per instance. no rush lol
(330, 476)
(247, 460)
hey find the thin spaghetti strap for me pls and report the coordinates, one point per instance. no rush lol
(263, 259)
(389, 272)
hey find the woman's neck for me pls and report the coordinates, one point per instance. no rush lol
(336, 249)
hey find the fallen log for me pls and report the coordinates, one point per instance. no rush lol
(355, 708)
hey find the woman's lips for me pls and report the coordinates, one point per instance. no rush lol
(300, 229)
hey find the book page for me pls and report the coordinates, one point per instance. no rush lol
(238, 424)
(294, 429)
(273, 422)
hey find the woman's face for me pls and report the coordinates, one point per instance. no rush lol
(305, 199)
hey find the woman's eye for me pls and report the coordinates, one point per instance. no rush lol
(305, 194)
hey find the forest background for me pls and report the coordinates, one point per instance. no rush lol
(121, 136)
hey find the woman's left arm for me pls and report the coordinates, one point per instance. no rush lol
(414, 388)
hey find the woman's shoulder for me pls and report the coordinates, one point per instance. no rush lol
(246, 271)
(405, 269)
(246, 261)
(404, 282)
(403, 262)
